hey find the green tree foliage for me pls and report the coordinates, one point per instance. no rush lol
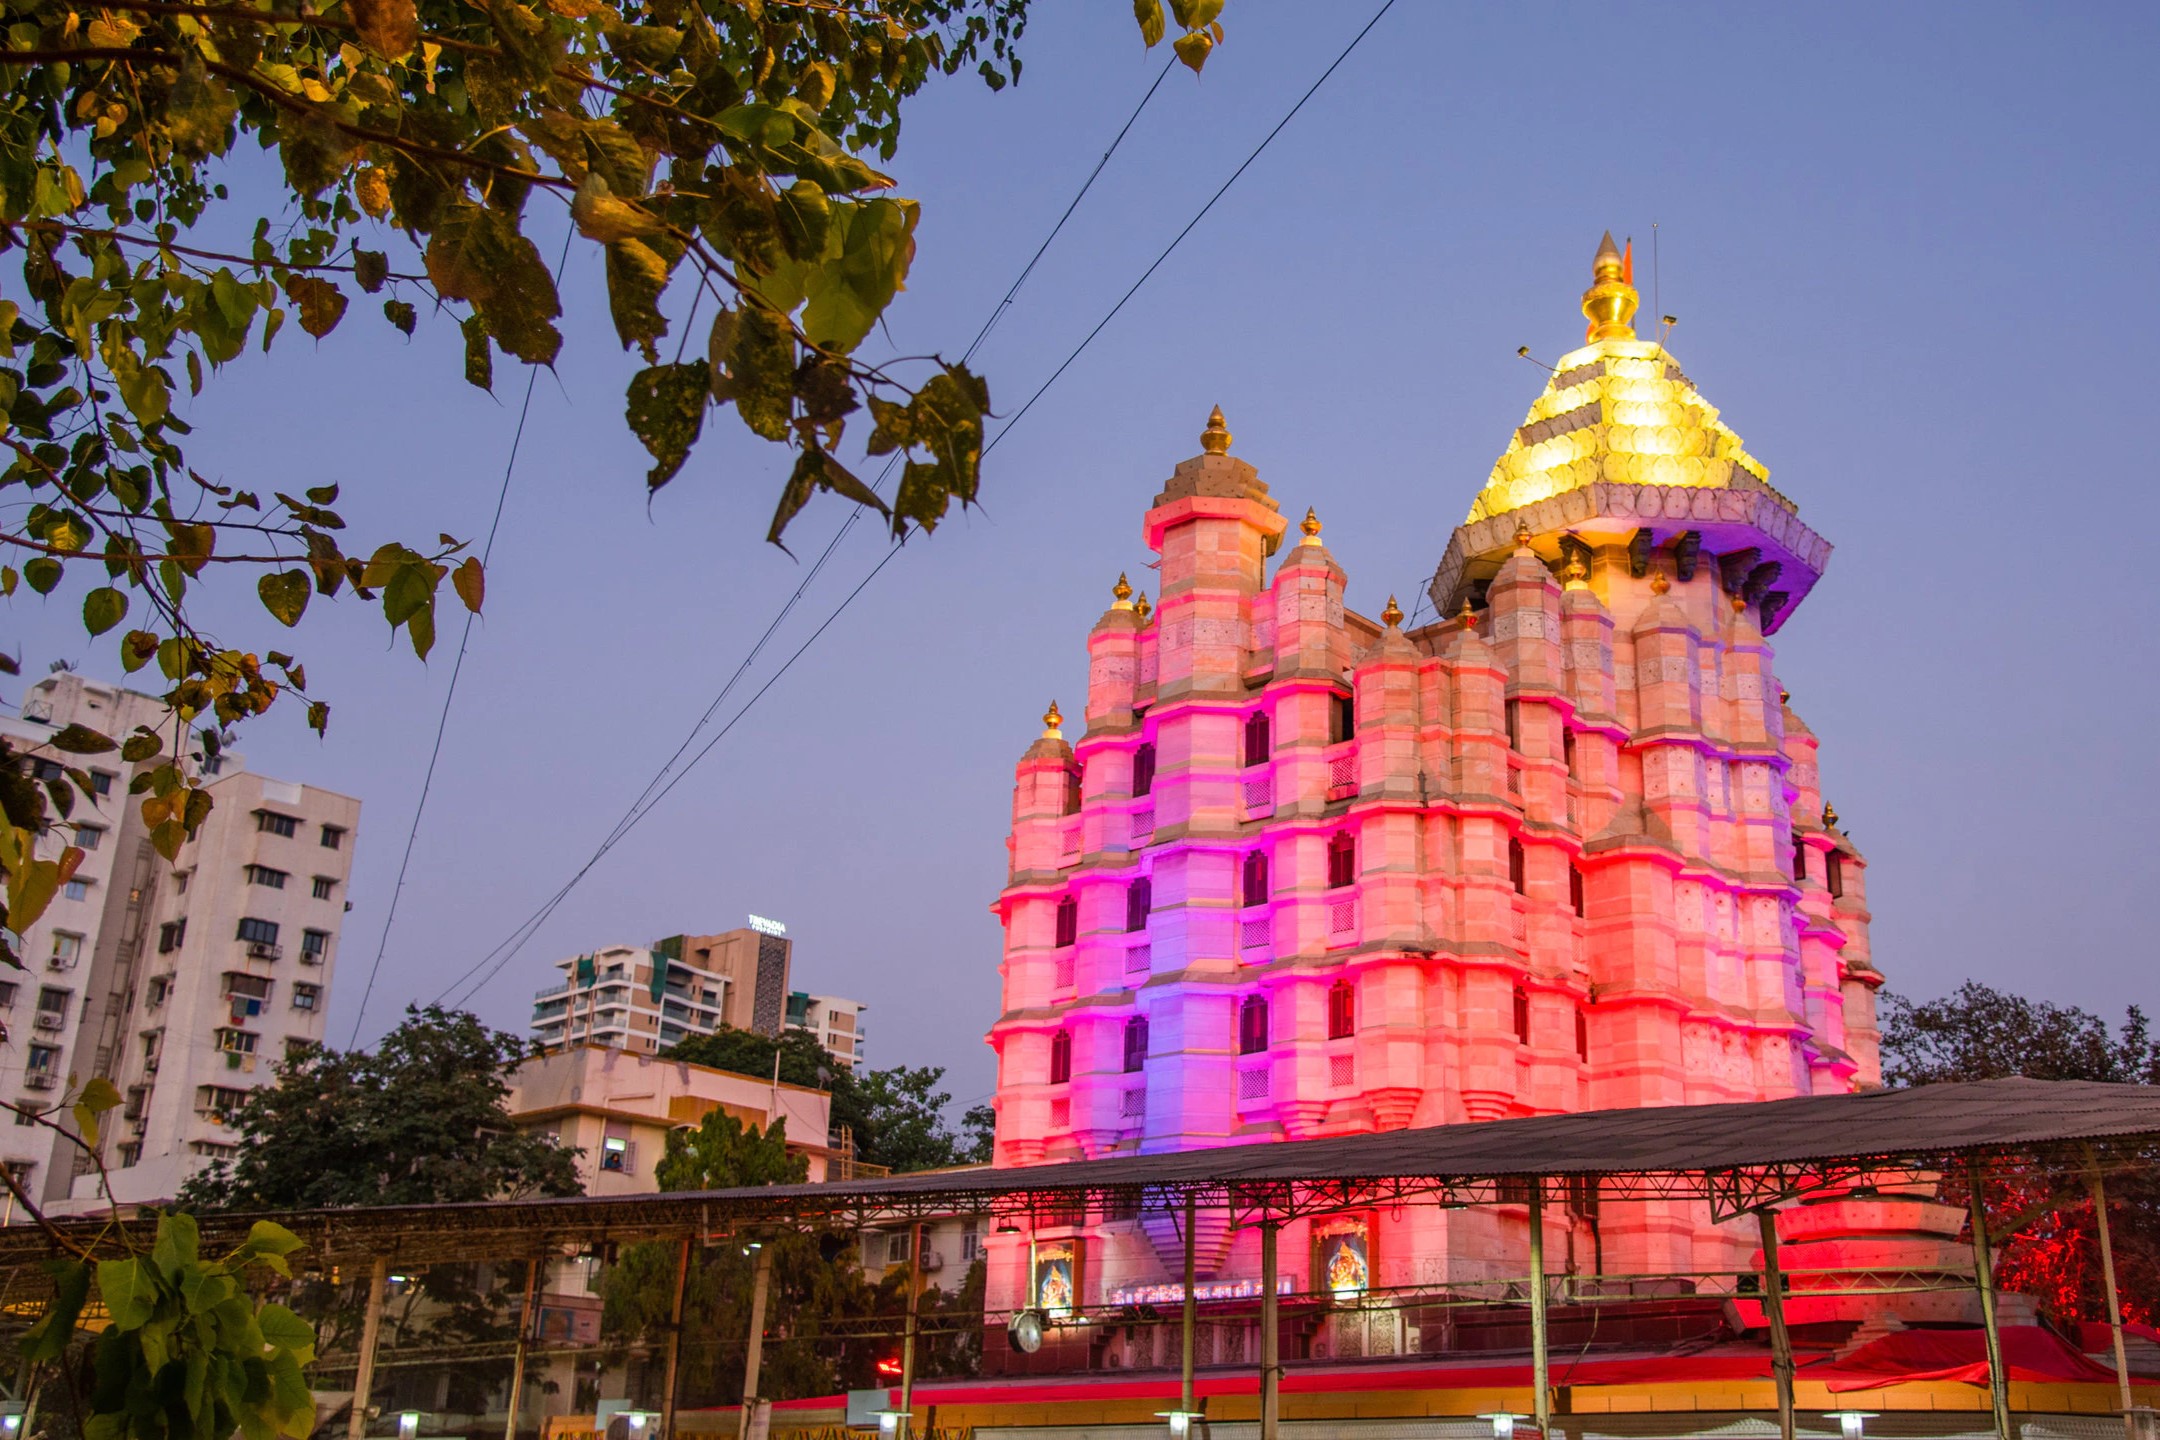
(896, 1116)
(978, 1129)
(417, 1120)
(723, 1152)
(1980, 1033)
(709, 152)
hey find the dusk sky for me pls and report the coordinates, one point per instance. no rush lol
(1912, 251)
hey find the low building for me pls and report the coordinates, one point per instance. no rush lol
(835, 1023)
(646, 998)
(182, 983)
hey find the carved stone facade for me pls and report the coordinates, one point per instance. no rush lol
(1307, 873)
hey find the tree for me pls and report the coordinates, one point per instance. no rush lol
(417, 1120)
(979, 1125)
(2052, 1249)
(905, 1118)
(707, 150)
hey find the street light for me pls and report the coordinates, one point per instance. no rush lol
(1181, 1421)
(888, 1421)
(1854, 1422)
(1503, 1423)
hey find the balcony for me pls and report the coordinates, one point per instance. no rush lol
(39, 1080)
(1259, 795)
(1342, 773)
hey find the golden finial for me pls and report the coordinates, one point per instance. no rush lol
(1522, 535)
(1215, 440)
(1609, 304)
(1311, 526)
(1829, 816)
(1739, 602)
(1121, 593)
(1784, 696)
(1577, 574)
(1052, 718)
(1659, 582)
(1393, 614)
(1467, 615)
(1143, 608)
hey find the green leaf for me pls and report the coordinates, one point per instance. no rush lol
(103, 608)
(1149, 14)
(666, 411)
(321, 303)
(48, 1338)
(285, 594)
(847, 297)
(370, 269)
(758, 349)
(281, 1327)
(804, 217)
(479, 360)
(178, 1243)
(43, 573)
(141, 746)
(471, 583)
(97, 1097)
(401, 314)
(635, 277)
(128, 1290)
(406, 592)
(82, 740)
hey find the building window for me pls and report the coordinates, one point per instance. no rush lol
(314, 944)
(615, 1154)
(272, 823)
(77, 889)
(1139, 900)
(1567, 751)
(1061, 1057)
(43, 1059)
(7, 994)
(1514, 725)
(323, 886)
(1799, 859)
(1341, 860)
(47, 770)
(1522, 1016)
(236, 1042)
(333, 837)
(1143, 768)
(66, 949)
(1342, 718)
(1582, 1037)
(264, 876)
(1068, 921)
(1341, 1010)
(170, 935)
(1072, 791)
(1259, 739)
(89, 837)
(101, 782)
(1252, 1029)
(1575, 891)
(180, 881)
(1518, 867)
(1254, 880)
(1834, 872)
(1136, 1043)
(218, 1102)
(258, 932)
(247, 992)
(54, 1003)
(160, 986)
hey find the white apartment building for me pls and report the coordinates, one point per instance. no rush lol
(183, 984)
(646, 998)
(835, 1023)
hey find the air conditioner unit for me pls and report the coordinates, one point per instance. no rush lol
(264, 950)
(932, 1262)
(46, 1020)
(39, 1080)
(59, 962)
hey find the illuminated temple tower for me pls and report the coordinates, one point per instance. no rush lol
(1306, 873)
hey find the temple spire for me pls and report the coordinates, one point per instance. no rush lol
(1610, 302)
(1215, 440)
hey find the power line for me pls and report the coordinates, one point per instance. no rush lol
(508, 948)
(646, 797)
(457, 668)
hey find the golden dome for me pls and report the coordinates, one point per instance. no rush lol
(1121, 593)
(1052, 718)
(1143, 608)
(1215, 440)
(1393, 614)
(1311, 526)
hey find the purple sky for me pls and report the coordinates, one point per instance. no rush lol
(1912, 251)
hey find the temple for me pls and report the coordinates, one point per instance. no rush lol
(1306, 872)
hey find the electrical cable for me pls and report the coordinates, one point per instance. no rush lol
(507, 949)
(457, 668)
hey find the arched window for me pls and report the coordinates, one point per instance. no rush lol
(1061, 1057)
(1522, 1016)
(1253, 883)
(1068, 921)
(1136, 1043)
(1252, 1031)
(1341, 1010)
(1575, 891)
(1143, 768)
(1518, 867)
(1341, 860)
(1139, 900)
(1259, 739)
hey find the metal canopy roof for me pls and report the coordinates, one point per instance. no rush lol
(1734, 1155)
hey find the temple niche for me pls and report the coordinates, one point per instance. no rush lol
(1306, 872)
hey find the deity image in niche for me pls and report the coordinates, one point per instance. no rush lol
(1344, 1259)
(1057, 1285)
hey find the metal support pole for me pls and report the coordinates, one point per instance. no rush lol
(1540, 1359)
(1270, 1336)
(1983, 1263)
(1192, 1310)
(524, 1341)
(907, 1343)
(2114, 1303)
(1781, 1357)
(760, 1287)
(370, 1332)
(674, 1342)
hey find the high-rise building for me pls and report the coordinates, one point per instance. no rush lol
(647, 998)
(181, 983)
(837, 1025)
(1308, 872)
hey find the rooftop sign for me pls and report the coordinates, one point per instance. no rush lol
(767, 927)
